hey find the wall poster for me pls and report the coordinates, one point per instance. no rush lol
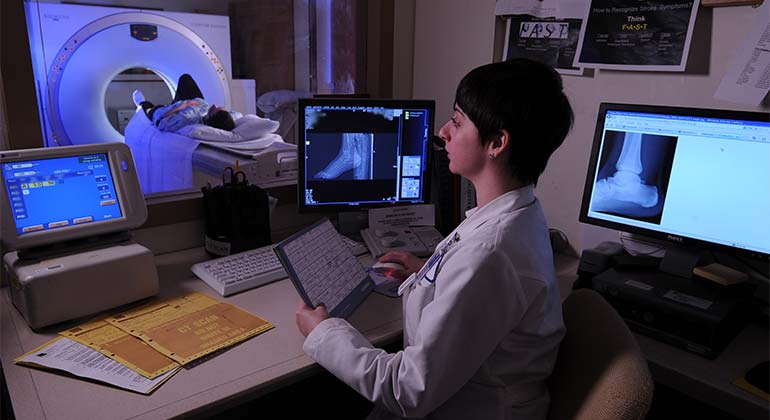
(549, 40)
(637, 35)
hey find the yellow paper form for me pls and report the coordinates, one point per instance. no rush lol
(116, 344)
(190, 327)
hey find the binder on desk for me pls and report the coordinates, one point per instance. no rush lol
(324, 270)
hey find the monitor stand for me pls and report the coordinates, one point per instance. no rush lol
(679, 261)
(350, 223)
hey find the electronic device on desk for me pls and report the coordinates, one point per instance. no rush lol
(242, 271)
(358, 154)
(66, 212)
(696, 179)
(419, 240)
(693, 314)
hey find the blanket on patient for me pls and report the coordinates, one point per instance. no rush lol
(164, 159)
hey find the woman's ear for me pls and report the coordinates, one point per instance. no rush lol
(500, 142)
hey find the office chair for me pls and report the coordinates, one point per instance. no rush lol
(600, 373)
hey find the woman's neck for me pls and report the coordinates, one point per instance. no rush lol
(492, 187)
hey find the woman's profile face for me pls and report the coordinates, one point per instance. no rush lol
(464, 149)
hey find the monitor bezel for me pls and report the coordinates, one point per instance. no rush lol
(673, 239)
(386, 103)
(128, 193)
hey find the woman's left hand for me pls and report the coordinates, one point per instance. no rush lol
(307, 318)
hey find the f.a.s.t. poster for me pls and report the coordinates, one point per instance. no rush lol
(548, 40)
(636, 35)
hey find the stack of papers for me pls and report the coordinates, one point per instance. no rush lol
(141, 348)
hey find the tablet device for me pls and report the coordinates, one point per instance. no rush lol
(62, 193)
(324, 269)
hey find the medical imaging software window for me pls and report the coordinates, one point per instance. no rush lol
(362, 154)
(704, 178)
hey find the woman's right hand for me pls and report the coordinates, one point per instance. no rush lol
(411, 263)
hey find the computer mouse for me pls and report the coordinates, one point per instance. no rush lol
(387, 268)
(759, 376)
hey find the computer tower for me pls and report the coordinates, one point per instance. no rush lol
(689, 313)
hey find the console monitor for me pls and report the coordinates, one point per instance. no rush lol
(63, 193)
(362, 153)
(698, 178)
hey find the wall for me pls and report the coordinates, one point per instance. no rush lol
(453, 36)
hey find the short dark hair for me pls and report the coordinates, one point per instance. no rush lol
(525, 98)
(219, 119)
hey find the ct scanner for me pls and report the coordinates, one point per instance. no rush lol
(77, 50)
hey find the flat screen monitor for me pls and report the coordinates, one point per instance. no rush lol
(362, 153)
(64, 193)
(698, 178)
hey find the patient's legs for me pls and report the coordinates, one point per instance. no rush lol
(355, 153)
(625, 189)
(186, 88)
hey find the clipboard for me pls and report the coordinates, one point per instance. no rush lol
(324, 270)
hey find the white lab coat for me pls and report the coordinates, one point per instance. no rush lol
(479, 341)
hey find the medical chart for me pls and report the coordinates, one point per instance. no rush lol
(192, 326)
(70, 356)
(121, 346)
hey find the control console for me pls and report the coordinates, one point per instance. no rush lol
(419, 240)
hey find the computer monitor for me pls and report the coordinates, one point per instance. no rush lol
(362, 153)
(59, 194)
(697, 178)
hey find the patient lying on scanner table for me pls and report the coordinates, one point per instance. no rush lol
(188, 108)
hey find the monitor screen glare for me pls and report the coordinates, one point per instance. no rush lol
(47, 194)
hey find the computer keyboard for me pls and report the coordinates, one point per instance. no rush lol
(238, 272)
(249, 269)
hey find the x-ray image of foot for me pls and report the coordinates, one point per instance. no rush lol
(625, 192)
(355, 153)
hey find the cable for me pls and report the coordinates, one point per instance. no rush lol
(636, 253)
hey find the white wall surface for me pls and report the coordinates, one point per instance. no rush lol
(453, 36)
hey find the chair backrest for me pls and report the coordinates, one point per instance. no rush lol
(600, 373)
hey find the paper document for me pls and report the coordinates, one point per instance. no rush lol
(540, 8)
(117, 344)
(70, 356)
(414, 215)
(190, 327)
(748, 79)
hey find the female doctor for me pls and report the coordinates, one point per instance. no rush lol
(482, 317)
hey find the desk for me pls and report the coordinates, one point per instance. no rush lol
(244, 372)
(275, 358)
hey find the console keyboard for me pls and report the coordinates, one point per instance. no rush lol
(238, 272)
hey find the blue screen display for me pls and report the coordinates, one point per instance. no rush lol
(53, 193)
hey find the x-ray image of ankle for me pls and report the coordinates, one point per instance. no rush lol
(625, 189)
(355, 153)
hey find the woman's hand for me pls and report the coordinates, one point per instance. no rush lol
(307, 318)
(411, 263)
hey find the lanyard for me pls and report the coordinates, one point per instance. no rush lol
(429, 267)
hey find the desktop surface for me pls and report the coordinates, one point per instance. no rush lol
(275, 359)
(238, 374)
